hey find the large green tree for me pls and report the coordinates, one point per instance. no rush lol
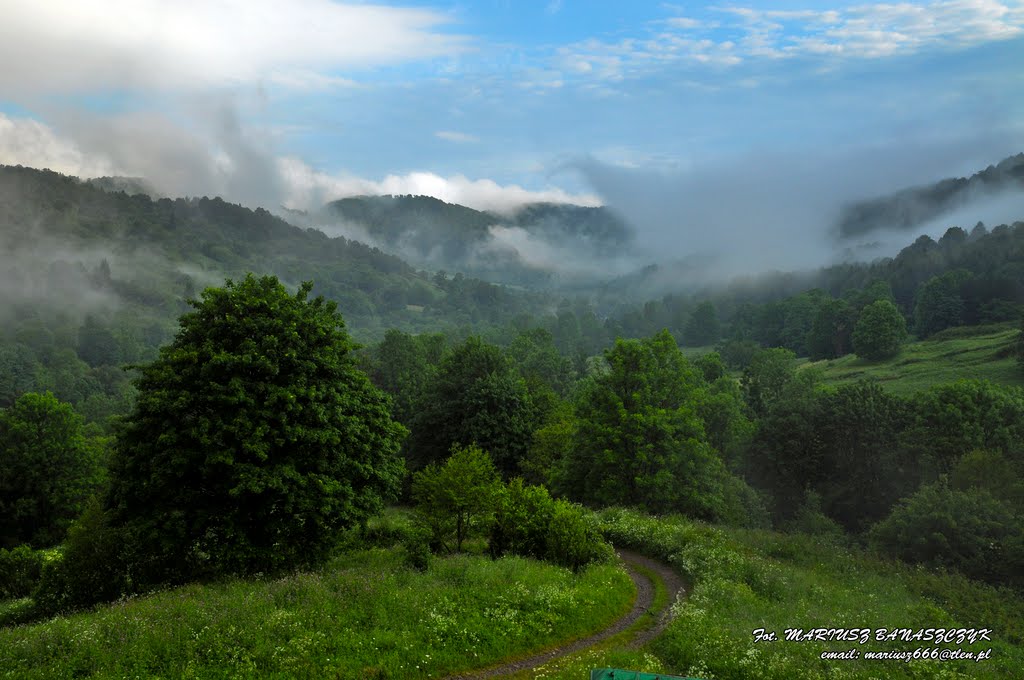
(640, 439)
(880, 331)
(254, 440)
(47, 470)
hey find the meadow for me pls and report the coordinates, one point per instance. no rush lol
(744, 580)
(364, 615)
(985, 352)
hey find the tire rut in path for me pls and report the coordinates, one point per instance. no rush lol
(642, 605)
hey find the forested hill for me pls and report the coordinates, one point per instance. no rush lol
(512, 248)
(913, 207)
(58, 231)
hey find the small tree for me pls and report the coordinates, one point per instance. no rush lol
(455, 496)
(880, 331)
(47, 470)
(254, 440)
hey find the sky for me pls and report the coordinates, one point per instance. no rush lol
(655, 108)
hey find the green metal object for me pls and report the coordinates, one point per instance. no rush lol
(619, 674)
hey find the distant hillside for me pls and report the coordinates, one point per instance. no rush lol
(56, 230)
(913, 207)
(536, 246)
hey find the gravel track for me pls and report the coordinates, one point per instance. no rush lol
(642, 605)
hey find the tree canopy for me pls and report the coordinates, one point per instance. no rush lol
(880, 331)
(254, 439)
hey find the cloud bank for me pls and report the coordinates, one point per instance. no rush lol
(218, 157)
(90, 45)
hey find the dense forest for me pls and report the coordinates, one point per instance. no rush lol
(171, 410)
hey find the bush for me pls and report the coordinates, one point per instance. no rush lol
(522, 515)
(528, 522)
(94, 566)
(19, 571)
(574, 537)
(417, 549)
(970, 531)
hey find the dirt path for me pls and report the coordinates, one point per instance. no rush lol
(642, 605)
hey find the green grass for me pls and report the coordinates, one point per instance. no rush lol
(365, 615)
(744, 580)
(969, 352)
(610, 653)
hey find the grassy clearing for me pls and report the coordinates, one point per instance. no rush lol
(746, 580)
(968, 352)
(365, 615)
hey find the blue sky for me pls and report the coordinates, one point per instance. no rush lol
(496, 102)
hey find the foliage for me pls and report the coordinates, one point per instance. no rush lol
(363, 615)
(535, 356)
(842, 445)
(47, 470)
(711, 366)
(94, 565)
(939, 304)
(254, 439)
(879, 332)
(455, 497)
(522, 519)
(527, 521)
(19, 571)
(574, 538)
(955, 419)
(970, 531)
(402, 367)
(474, 398)
(702, 329)
(417, 549)
(640, 439)
(766, 377)
(1019, 345)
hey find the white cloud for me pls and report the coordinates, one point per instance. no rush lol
(227, 161)
(24, 141)
(309, 188)
(457, 137)
(191, 44)
(878, 30)
(745, 34)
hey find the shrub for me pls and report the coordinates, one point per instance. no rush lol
(522, 515)
(574, 537)
(970, 531)
(93, 567)
(19, 571)
(417, 549)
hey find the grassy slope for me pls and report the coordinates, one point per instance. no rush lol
(745, 580)
(967, 352)
(365, 615)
